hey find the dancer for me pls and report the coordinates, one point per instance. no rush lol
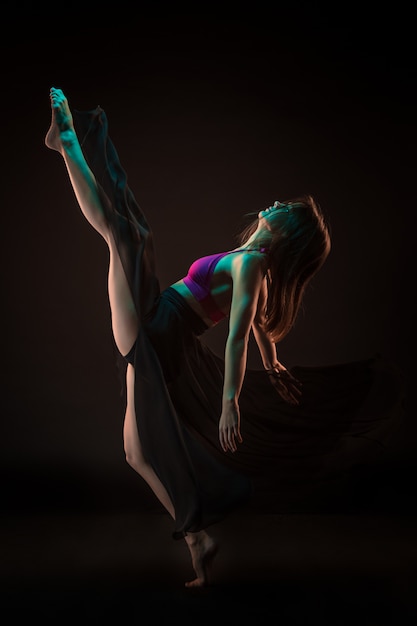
(196, 425)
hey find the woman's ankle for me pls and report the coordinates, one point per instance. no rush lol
(68, 139)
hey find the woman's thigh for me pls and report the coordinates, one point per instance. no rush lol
(124, 318)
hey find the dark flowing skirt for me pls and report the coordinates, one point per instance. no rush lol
(347, 415)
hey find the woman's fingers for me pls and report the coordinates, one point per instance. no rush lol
(288, 387)
(228, 439)
(291, 384)
(223, 441)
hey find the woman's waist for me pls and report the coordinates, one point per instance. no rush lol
(181, 289)
(180, 298)
(206, 308)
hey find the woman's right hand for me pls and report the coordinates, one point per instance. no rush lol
(229, 427)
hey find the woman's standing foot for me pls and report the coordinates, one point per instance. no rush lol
(203, 550)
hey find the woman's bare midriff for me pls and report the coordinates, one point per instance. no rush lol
(181, 288)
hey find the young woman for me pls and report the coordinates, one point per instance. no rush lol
(199, 429)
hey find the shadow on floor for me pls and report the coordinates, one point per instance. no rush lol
(292, 570)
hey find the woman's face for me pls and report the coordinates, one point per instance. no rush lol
(270, 212)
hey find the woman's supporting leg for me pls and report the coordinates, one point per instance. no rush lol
(202, 547)
(133, 448)
(62, 138)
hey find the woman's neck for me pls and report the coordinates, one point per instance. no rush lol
(259, 239)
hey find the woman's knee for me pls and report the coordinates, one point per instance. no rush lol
(133, 450)
(124, 318)
(135, 459)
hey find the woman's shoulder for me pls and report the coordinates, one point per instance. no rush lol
(252, 257)
(250, 264)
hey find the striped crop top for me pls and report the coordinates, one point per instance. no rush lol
(198, 281)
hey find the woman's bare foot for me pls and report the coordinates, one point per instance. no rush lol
(203, 550)
(61, 130)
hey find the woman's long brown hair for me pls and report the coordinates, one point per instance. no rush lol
(300, 245)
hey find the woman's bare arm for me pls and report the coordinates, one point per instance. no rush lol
(267, 348)
(247, 280)
(288, 387)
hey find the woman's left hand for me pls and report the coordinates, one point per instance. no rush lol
(288, 387)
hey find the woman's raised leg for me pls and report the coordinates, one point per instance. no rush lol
(62, 137)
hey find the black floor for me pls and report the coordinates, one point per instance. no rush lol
(291, 570)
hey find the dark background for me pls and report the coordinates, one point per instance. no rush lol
(215, 113)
